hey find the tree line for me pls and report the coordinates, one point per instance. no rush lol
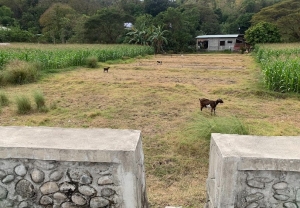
(168, 25)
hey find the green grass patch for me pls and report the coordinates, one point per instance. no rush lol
(54, 71)
(259, 93)
(108, 113)
(120, 61)
(197, 133)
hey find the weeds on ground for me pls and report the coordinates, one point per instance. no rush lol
(39, 100)
(198, 132)
(190, 145)
(4, 101)
(53, 105)
(2, 78)
(19, 72)
(23, 105)
(92, 62)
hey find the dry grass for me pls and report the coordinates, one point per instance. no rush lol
(161, 100)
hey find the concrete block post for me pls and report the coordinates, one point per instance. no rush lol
(253, 171)
(68, 167)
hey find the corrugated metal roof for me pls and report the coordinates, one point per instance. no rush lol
(218, 36)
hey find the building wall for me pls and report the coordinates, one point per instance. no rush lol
(214, 44)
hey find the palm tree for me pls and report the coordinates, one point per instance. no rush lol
(157, 38)
(138, 36)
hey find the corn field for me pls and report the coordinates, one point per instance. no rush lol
(280, 66)
(63, 56)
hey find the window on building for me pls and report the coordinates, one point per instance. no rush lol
(203, 44)
(229, 41)
(222, 43)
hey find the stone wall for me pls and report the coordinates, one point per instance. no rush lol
(268, 189)
(253, 172)
(53, 167)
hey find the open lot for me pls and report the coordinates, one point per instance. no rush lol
(162, 100)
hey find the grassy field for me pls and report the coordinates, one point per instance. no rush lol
(163, 102)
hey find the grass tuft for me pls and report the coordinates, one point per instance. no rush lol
(53, 105)
(92, 62)
(19, 72)
(23, 105)
(2, 78)
(197, 133)
(4, 101)
(39, 100)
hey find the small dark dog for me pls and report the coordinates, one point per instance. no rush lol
(159, 62)
(106, 69)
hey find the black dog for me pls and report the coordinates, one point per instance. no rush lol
(106, 69)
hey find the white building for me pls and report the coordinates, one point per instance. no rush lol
(231, 42)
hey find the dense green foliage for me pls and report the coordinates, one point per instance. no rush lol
(263, 32)
(105, 26)
(102, 21)
(280, 67)
(57, 22)
(15, 34)
(285, 15)
(6, 16)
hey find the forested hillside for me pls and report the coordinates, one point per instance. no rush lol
(285, 15)
(169, 24)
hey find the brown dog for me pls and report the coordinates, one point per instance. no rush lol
(106, 69)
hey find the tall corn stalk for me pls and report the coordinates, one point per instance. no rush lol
(280, 67)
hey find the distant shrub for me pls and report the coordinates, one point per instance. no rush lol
(39, 100)
(4, 101)
(19, 72)
(92, 62)
(23, 105)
